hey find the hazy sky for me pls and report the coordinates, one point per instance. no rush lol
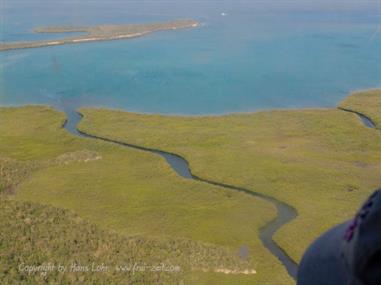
(187, 8)
(294, 4)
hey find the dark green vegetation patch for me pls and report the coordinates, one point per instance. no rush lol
(36, 240)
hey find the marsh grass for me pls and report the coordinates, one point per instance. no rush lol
(133, 193)
(322, 162)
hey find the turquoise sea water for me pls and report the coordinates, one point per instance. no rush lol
(259, 56)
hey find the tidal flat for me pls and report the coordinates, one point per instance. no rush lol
(133, 194)
(322, 162)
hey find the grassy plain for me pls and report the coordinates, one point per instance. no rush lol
(323, 162)
(131, 192)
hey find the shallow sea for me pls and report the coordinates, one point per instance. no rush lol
(259, 55)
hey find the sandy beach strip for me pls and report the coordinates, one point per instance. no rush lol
(53, 43)
(87, 40)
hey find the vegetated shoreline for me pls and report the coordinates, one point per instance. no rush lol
(99, 33)
(286, 213)
(270, 226)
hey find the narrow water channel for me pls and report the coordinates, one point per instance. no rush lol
(285, 213)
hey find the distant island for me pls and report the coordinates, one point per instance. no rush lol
(99, 33)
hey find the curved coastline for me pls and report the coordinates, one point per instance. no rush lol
(285, 213)
(98, 33)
